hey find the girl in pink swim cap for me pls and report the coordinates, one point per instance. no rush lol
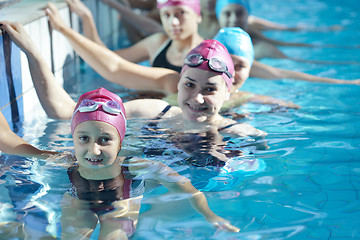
(98, 126)
(100, 105)
(166, 48)
(164, 78)
(106, 187)
(211, 55)
(204, 86)
(193, 4)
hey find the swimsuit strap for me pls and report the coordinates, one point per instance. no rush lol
(127, 183)
(162, 48)
(153, 124)
(163, 112)
(160, 60)
(132, 187)
(227, 126)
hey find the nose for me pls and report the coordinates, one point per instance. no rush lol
(199, 98)
(175, 20)
(232, 17)
(94, 149)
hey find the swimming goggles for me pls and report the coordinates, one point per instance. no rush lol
(215, 64)
(112, 107)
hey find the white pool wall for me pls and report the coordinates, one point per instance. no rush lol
(32, 16)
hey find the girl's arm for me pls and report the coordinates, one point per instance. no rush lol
(180, 184)
(260, 70)
(148, 108)
(262, 99)
(54, 99)
(111, 66)
(239, 98)
(10, 143)
(257, 35)
(263, 25)
(143, 24)
(87, 19)
(136, 53)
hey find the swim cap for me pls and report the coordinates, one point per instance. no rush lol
(193, 4)
(220, 4)
(100, 105)
(237, 42)
(213, 49)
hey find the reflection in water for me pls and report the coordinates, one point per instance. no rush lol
(212, 161)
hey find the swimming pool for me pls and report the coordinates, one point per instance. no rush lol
(309, 188)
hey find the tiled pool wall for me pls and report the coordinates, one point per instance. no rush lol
(18, 98)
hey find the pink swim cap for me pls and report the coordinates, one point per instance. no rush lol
(193, 4)
(213, 49)
(100, 105)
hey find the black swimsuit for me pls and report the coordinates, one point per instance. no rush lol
(195, 143)
(101, 193)
(161, 61)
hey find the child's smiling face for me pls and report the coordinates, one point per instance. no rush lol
(96, 144)
(201, 94)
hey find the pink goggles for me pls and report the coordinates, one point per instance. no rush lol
(112, 107)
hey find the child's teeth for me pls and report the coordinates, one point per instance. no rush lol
(94, 160)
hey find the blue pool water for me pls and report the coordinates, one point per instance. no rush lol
(308, 184)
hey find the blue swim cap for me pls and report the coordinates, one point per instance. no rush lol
(220, 4)
(237, 42)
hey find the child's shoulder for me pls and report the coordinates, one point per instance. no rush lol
(140, 166)
(144, 108)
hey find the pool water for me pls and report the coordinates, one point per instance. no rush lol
(306, 185)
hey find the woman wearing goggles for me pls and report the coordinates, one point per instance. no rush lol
(204, 85)
(213, 87)
(163, 78)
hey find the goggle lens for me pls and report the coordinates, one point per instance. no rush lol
(194, 60)
(217, 65)
(114, 106)
(88, 105)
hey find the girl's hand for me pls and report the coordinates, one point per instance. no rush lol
(55, 19)
(223, 224)
(78, 7)
(18, 35)
(355, 82)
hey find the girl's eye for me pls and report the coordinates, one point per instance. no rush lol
(238, 67)
(165, 15)
(84, 138)
(240, 12)
(211, 90)
(104, 140)
(189, 85)
(227, 14)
